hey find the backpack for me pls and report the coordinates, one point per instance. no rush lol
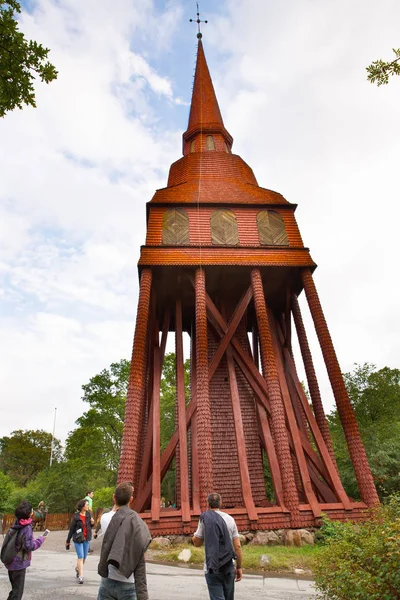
(9, 548)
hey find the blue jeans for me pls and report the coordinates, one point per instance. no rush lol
(82, 549)
(110, 589)
(221, 586)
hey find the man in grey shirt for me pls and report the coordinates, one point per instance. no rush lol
(126, 537)
(218, 566)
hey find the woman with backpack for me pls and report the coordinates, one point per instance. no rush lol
(81, 534)
(17, 555)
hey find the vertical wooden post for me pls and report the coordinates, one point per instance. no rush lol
(134, 411)
(274, 393)
(181, 401)
(240, 439)
(203, 397)
(156, 479)
(195, 456)
(312, 377)
(353, 438)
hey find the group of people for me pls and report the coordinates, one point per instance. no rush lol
(122, 566)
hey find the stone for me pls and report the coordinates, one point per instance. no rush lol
(242, 539)
(249, 536)
(265, 538)
(185, 555)
(288, 538)
(264, 560)
(307, 538)
(160, 542)
(299, 571)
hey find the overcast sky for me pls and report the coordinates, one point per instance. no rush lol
(76, 173)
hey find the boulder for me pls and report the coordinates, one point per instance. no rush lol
(265, 538)
(249, 536)
(307, 538)
(288, 538)
(242, 539)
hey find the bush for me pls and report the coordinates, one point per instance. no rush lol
(362, 561)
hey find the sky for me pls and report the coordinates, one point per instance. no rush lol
(77, 171)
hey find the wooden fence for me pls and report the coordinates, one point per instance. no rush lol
(54, 522)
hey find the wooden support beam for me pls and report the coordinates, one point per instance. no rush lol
(134, 410)
(195, 457)
(350, 426)
(278, 420)
(148, 442)
(156, 486)
(312, 378)
(294, 430)
(240, 439)
(203, 396)
(319, 440)
(268, 443)
(231, 330)
(181, 400)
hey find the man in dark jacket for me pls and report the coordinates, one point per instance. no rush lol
(218, 532)
(25, 545)
(126, 538)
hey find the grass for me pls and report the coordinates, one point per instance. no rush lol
(282, 559)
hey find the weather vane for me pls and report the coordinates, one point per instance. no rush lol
(198, 21)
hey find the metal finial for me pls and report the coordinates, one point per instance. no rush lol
(198, 21)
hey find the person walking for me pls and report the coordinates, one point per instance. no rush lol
(89, 498)
(81, 533)
(25, 544)
(126, 538)
(219, 533)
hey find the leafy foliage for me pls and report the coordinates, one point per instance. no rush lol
(380, 71)
(362, 561)
(21, 61)
(25, 453)
(98, 436)
(6, 489)
(375, 396)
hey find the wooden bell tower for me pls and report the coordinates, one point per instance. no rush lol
(224, 262)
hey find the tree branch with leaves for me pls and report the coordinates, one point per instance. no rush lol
(380, 71)
(21, 62)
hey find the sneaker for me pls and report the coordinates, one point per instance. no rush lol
(80, 579)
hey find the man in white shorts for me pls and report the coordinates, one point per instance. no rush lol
(218, 532)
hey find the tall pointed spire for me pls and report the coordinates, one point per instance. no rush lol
(205, 115)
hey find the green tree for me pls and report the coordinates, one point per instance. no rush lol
(375, 396)
(6, 489)
(98, 436)
(379, 71)
(21, 61)
(25, 453)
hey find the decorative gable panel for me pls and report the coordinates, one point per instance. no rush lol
(175, 227)
(224, 229)
(271, 229)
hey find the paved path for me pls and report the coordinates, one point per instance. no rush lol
(52, 576)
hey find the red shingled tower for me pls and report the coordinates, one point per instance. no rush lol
(224, 261)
